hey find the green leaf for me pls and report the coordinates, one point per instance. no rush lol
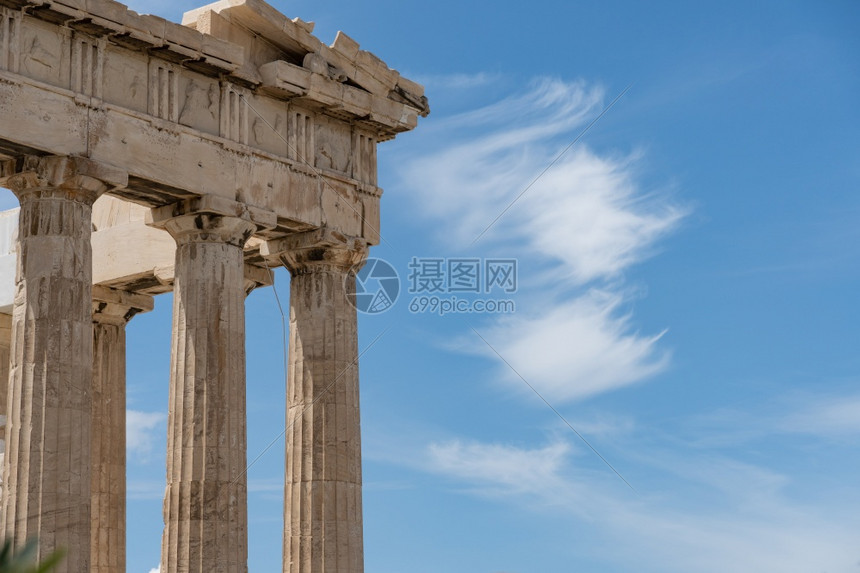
(23, 560)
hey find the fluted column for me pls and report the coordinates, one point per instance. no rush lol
(112, 309)
(47, 465)
(322, 510)
(5, 344)
(205, 505)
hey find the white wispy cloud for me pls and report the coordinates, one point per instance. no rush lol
(827, 416)
(591, 218)
(271, 489)
(142, 430)
(471, 164)
(456, 81)
(575, 232)
(265, 485)
(506, 467)
(576, 348)
(138, 489)
(752, 527)
(830, 417)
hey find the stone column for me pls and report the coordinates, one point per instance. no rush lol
(112, 309)
(5, 344)
(47, 466)
(205, 505)
(322, 509)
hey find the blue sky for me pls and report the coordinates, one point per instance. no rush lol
(688, 278)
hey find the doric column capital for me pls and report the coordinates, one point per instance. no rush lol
(209, 228)
(113, 306)
(322, 510)
(317, 251)
(48, 466)
(68, 177)
(211, 219)
(206, 453)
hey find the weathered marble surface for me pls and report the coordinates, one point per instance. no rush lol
(5, 343)
(241, 102)
(205, 506)
(47, 468)
(218, 147)
(112, 309)
(322, 497)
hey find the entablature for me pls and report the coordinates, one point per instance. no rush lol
(240, 103)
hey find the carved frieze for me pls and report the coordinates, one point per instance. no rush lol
(44, 52)
(87, 65)
(201, 103)
(301, 137)
(126, 79)
(10, 32)
(333, 146)
(364, 157)
(198, 109)
(163, 90)
(234, 113)
(268, 119)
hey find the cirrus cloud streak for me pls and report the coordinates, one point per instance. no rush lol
(576, 231)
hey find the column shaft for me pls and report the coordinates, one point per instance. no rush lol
(205, 506)
(323, 511)
(108, 453)
(47, 467)
(5, 344)
(111, 311)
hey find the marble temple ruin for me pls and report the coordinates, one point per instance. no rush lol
(150, 157)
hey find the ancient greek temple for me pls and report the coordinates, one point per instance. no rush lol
(150, 157)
